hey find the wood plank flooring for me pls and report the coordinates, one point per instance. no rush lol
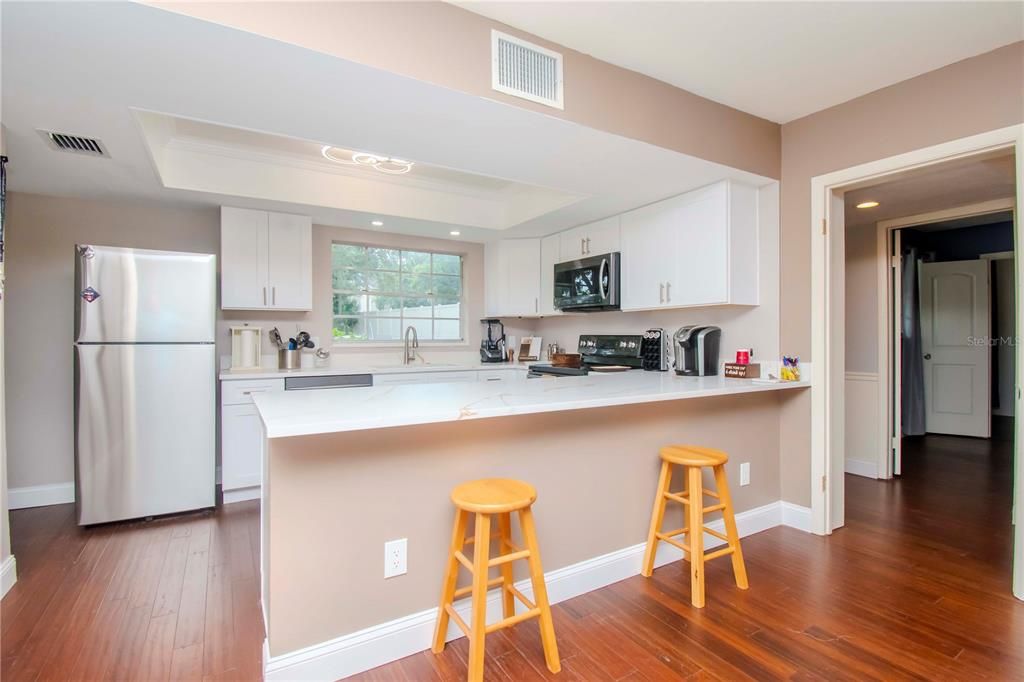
(916, 586)
(168, 599)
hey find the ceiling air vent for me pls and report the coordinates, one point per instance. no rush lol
(526, 70)
(74, 143)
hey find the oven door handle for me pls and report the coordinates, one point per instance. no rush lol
(600, 279)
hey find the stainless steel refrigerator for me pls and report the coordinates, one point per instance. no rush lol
(145, 360)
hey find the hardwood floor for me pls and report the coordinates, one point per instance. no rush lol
(174, 598)
(916, 586)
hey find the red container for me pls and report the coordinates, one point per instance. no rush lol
(743, 356)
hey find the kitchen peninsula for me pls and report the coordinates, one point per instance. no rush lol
(347, 470)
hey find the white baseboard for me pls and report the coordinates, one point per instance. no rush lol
(862, 467)
(40, 495)
(242, 494)
(795, 516)
(8, 575)
(380, 644)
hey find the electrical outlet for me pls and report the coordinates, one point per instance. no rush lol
(395, 557)
(745, 473)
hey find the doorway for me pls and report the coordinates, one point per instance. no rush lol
(948, 317)
(828, 317)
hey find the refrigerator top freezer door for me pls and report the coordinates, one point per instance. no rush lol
(142, 296)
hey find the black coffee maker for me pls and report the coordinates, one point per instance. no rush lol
(492, 349)
(696, 350)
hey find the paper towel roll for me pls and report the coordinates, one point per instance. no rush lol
(248, 348)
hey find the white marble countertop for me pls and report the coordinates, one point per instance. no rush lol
(302, 413)
(272, 373)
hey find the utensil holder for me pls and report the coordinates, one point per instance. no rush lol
(289, 359)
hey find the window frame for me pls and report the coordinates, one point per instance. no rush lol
(368, 343)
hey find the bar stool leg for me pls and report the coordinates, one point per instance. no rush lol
(508, 601)
(478, 622)
(540, 591)
(739, 569)
(451, 578)
(695, 512)
(657, 516)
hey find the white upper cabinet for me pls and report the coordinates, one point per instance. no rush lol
(512, 278)
(592, 239)
(550, 255)
(697, 249)
(266, 260)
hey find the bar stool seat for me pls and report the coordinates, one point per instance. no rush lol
(493, 496)
(487, 498)
(694, 458)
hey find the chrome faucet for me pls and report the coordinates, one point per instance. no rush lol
(410, 350)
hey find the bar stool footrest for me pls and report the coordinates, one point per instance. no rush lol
(718, 552)
(457, 619)
(463, 591)
(721, 536)
(513, 620)
(521, 597)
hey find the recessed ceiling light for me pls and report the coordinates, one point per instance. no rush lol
(377, 223)
(867, 204)
(455, 233)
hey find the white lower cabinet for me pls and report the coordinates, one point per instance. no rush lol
(241, 438)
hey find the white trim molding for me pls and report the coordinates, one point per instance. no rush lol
(8, 575)
(40, 495)
(353, 653)
(828, 325)
(253, 492)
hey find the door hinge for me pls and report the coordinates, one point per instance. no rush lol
(824, 480)
(824, 226)
(894, 443)
(895, 262)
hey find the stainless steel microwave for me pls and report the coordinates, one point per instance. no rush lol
(589, 284)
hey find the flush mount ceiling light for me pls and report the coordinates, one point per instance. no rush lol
(377, 223)
(385, 164)
(867, 204)
(455, 233)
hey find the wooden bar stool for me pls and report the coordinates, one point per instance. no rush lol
(487, 498)
(694, 458)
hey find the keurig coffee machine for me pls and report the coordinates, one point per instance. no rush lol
(696, 350)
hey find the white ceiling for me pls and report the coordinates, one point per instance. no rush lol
(88, 68)
(777, 60)
(934, 188)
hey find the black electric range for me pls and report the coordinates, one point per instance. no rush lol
(627, 350)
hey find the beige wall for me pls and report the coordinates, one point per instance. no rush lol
(41, 233)
(337, 498)
(972, 96)
(443, 44)
(862, 299)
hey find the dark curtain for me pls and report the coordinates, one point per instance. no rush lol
(910, 348)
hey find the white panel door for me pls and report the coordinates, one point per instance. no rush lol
(290, 261)
(243, 258)
(955, 327)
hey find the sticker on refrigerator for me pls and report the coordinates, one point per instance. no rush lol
(89, 294)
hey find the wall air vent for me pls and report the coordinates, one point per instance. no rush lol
(526, 70)
(74, 143)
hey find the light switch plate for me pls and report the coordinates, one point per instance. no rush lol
(395, 558)
(745, 473)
